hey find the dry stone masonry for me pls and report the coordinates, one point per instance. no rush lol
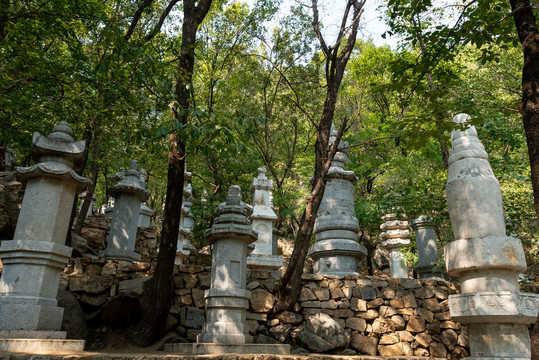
(396, 234)
(337, 250)
(35, 258)
(483, 257)
(264, 256)
(427, 249)
(128, 194)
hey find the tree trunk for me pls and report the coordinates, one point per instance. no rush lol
(290, 285)
(158, 292)
(528, 34)
(90, 189)
(88, 134)
(3, 148)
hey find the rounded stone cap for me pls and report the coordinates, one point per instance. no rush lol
(232, 221)
(130, 184)
(59, 144)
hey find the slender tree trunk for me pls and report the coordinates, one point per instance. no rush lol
(528, 34)
(158, 295)
(290, 284)
(90, 189)
(88, 135)
(2, 156)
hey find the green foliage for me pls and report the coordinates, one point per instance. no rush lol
(258, 85)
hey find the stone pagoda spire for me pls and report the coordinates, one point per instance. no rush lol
(128, 194)
(337, 250)
(395, 235)
(35, 258)
(264, 256)
(484, 259)
(185, 231)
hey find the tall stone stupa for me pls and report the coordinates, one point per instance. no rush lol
(337, 250)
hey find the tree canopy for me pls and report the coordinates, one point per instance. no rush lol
(257, 89)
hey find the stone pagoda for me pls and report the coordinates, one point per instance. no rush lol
(145, 213)
(30, 319)
(185, 231)
(82, 196)
(264, 256)
(128, 194)
(483, 257)
(395, 235)
(427, 249)
(337, 250)
(227, 300)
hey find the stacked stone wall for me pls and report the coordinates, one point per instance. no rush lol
(349, 316)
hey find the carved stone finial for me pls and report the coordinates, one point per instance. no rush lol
(234, 195)
(261, 173)
(62, 132)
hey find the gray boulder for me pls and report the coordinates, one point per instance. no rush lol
(320, 333)
(73, 321)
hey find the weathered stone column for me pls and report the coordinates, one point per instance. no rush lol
(145, 213)
(395, 235)
(427, 249)
(128, 194)
(227, 300)
(337, 250)
(264, 256)
(483, 257)
(185, 231)
(36, 256)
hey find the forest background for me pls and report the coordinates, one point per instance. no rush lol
(257, 88)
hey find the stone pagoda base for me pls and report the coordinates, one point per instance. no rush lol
(427, 272)
(264, 262)
(336, 257)
(207, 348)
(41, 346)
(119, 254)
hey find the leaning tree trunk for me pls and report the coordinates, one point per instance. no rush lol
(158, 292)
(290, 285)
(528, 35)
(90, 189)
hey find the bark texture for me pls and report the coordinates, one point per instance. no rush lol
(289, 287)
(157, 296)
(528, 34)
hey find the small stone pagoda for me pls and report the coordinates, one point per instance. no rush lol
(337, 250)
(483, 257)
(395, 235)
(227, 301)
(30, 319)
(128, 194)
(185, 231)
(82, 196)
(427, 249)
(264, 256)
